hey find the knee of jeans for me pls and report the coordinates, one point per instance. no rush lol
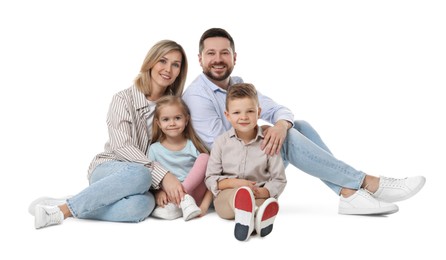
(140, 176)
(141, 207)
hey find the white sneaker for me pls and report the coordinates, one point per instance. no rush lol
(244, 207)
(47, 201)
(169, 212)
(265, 216)
(362, 203)
(47, 216)
(392, 190)
(189, 208)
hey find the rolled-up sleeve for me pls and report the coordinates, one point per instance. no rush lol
(273, 112)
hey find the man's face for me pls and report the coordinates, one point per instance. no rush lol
(217, 58)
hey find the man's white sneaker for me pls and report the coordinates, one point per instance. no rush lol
(47, 201)
(265, 216)
(47, 216)
(362, 203)
(392, 190)
(189, 208)
(169, 212)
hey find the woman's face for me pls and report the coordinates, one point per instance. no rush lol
(166, 70)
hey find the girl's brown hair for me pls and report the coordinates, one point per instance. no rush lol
(189, 132)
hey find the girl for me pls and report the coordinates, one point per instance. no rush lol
(121, 176)
(176, 146)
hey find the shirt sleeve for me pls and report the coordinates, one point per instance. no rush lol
(278, 181)
(119, 122)
(207, 122)
(214, 171)
(273, 112)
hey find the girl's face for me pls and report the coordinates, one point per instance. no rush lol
(172, 121)
(166, 70)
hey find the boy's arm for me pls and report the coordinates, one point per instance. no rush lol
(278, 181)
(232, 183)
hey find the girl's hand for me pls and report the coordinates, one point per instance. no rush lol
(173, 188)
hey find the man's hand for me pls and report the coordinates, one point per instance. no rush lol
(274, 137)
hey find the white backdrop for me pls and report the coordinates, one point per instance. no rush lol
(369, 75)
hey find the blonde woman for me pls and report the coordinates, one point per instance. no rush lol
(120, 177)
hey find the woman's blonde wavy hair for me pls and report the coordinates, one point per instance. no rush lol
(161, 48)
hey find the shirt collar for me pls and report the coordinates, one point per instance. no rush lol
(215, 88)
(233, 134)
(139, 98)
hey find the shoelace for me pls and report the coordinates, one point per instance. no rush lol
(53, 217)
(392, 182)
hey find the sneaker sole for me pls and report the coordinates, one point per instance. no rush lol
(167, 216)
(192, 215)
(244, 213)
(266, 216)
(381, 211)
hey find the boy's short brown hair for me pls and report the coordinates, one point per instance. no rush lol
(242, 90)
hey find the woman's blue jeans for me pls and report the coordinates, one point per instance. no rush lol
(304, 148)
(118, 191)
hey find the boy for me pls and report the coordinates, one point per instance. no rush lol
(245, 181)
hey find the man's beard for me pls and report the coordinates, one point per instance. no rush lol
(226, 75)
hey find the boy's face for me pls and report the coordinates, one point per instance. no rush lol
(243, 114)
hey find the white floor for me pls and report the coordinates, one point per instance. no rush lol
(368, 75)
(307, 227)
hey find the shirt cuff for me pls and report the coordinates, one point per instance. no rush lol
(158, 173)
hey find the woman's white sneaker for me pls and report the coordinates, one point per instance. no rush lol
(47, 201)
(47, 216)
(362, 203)
(169, 212)
(393, 190)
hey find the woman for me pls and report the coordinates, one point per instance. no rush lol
(121, 176)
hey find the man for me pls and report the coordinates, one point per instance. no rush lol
(298, 143)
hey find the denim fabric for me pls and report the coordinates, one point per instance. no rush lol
(118, 191)
(304, 149)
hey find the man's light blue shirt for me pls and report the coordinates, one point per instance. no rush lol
(207, 103)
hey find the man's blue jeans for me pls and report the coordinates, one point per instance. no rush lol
(304, 148)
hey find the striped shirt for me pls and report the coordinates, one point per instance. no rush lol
(128, 136)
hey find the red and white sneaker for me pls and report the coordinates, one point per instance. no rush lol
(244, 209)
(265, 217)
